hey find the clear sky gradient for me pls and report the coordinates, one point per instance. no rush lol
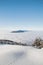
(21, 14)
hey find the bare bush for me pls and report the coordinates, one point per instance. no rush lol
(38, 43)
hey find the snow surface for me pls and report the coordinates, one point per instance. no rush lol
(21, 55)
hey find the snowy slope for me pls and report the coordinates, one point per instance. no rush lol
(20, 55)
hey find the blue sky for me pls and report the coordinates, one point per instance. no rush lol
(21, 14)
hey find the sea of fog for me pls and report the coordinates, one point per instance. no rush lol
(24, 37)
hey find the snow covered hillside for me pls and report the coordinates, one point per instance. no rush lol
(20, 55)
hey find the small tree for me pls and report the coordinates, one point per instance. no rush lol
(37, 42)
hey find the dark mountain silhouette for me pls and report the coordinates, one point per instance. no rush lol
(19, 31)
(10, 42)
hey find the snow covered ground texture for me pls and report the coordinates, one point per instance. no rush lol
(20, 55)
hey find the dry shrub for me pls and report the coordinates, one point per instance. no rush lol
(38, 43)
